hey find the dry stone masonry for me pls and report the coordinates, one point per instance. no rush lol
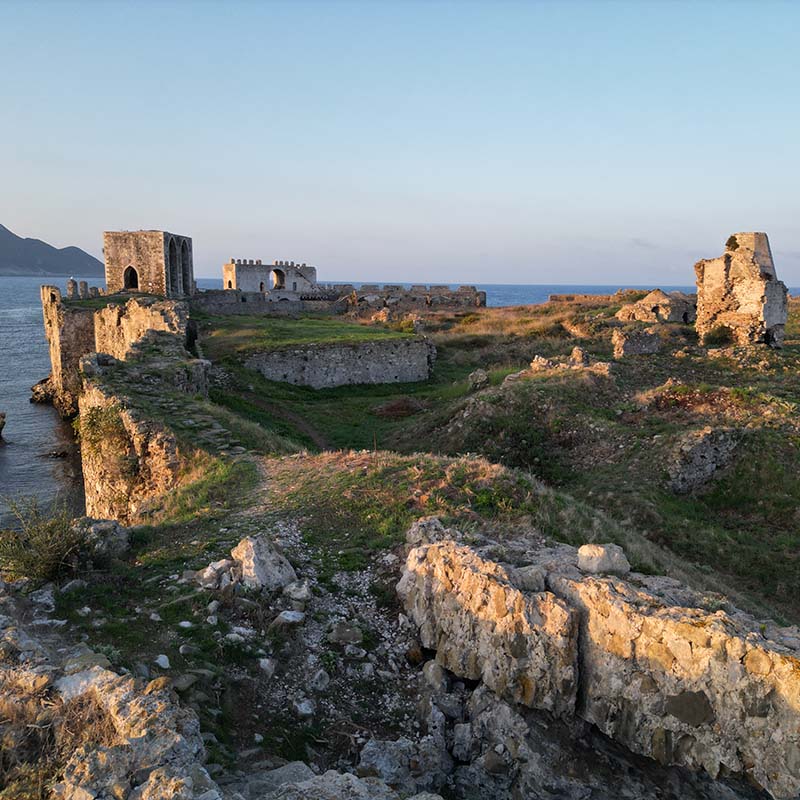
(659, 306)
(739, 293)
(325, 365)
(635, 342)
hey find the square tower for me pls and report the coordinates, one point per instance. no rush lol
(155, 262)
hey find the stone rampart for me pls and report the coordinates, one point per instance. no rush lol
(217, 301)
(325, 365)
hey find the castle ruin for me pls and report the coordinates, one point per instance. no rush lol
(280, 279)
(152, 262)
(739, 293)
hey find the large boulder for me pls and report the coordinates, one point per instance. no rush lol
(262, 565)
(524, 646)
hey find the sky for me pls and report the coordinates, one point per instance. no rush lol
(485, 142)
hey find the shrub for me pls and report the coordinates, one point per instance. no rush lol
(720, 335)
(43, 546)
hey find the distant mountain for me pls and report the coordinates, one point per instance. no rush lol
(20, 256)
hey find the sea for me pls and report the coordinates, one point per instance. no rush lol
(37, 454)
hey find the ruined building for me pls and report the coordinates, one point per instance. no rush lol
(280, 279)
(739, 293)
(154, 262)
(658, 306)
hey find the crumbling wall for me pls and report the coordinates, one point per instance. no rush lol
(659, 306)
(70, 335)
(326, 365)
(126, 459)
(739, 293)
(118, 327)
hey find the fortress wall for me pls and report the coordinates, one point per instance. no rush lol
(70, 335)
(117, 328)
(325, 365)
(217, 301)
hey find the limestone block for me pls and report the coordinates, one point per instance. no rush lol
(262, 566)
(635, 342)
(603, 558)
(523, 646)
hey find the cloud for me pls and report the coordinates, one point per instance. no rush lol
(645, 244)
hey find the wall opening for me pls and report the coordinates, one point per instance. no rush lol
(261, 286)
(230, 284)
(278, 279)
(174, 269)
(186, 267)
(130, 278)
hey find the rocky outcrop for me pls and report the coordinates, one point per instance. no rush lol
(739, 295)
(341, 786)
(698, 457)
(635, 342)
(659, 306)
(521, 645)
(133, 740)
(651, 668)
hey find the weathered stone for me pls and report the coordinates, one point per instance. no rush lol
(739, 294)
(635, 342)
(659, 306)
(335, 786)
(522, 646)
(603, 558)
(262, 565)
(699, 455)
(342, 633)
(479, 379)
(326, 365)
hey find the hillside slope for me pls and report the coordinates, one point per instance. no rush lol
(20, 256)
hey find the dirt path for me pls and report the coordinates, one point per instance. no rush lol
(290, 416)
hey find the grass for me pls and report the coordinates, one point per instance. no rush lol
(238, 336)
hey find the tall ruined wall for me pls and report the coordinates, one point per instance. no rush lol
(74, 330)
(325, 365)
(70, 335)
(740, 292)
(126, 459)
(118, 327)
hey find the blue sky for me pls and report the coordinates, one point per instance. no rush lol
(493, 142)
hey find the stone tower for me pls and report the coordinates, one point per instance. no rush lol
(155, 262)
(740, 293)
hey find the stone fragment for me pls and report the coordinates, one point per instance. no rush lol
(262, 566)
(699, 455)
(635, 342)
(603, 558)
(336, 786)
(304, 708)
(739, 295)
(344, 633)
(286, 620)
(161, 661)
(479, 379)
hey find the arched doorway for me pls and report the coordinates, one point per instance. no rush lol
(230, 284)
(130, 278)
(186, 267)
(278, 279)
(175, 285)
(261, 286)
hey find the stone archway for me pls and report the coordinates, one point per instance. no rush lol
(261, 287)
(173, 266)
(130, 279)
(186, 267)
(278, 279)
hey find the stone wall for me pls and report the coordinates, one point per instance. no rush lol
(70, 335)
(325, 365)
(75, 330)
(155, 262)
(118, 327)
(370, 297)
(740, 293)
